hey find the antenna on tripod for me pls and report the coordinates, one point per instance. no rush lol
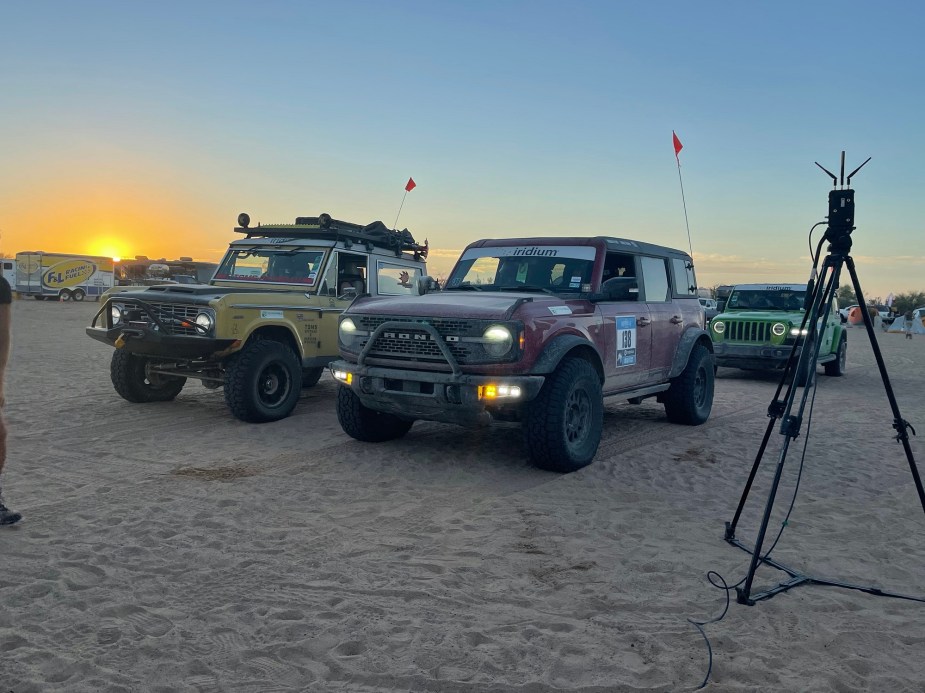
(851, 175)
(834, 177)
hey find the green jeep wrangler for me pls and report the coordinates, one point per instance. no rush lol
(760, 323)
(265, 326)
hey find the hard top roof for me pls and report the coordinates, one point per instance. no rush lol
(785, 286)
(609, 242)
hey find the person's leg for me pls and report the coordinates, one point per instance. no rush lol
(7, 516)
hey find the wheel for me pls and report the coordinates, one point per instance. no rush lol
(837, 367)
(562, 426)
(689, 400)
(262, 381)
(134, 381)
(65, 295)
(367, 424)
(78, 294)
(310, 376)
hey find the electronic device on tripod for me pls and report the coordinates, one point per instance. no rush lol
(789, 409)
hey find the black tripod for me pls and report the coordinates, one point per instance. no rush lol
(802, 361)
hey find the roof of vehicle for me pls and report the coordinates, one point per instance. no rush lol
(326, 228)
(794, 286)
(611, 243)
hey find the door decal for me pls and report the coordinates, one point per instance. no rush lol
(626, 340)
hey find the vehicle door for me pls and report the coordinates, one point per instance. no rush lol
(626, 330)
(667, 323)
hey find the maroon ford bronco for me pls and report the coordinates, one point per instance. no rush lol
(534, 330)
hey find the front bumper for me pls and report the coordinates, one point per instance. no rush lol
(758, 356)
(144, 340)
(447, 397)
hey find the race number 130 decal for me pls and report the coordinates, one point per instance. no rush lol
(626, 340)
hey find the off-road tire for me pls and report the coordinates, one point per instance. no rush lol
(131, 381)
(365, 424)
(689, 400)
(562, 426)
(311, 376)
(837, 367)
(262, 381)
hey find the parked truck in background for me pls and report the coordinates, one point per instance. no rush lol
(62, 276)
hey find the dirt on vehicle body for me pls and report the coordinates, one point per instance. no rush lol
(531, 330)
(266, 324)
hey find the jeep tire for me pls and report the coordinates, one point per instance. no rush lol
(562, 426)
(134, 382)
(689, 400)
(837, 367)
(311, 376)
(365, 424)
(262, 381)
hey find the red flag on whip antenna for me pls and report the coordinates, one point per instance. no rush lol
(677, 145)
(410, 185)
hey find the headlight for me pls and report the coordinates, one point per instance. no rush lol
(718, 327)
(116, 312)
(796, 332)
(205, 321)
(498, 340)
(778, 328)
(347, 330)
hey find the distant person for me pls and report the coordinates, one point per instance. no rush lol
(7, 516)
(907, 327)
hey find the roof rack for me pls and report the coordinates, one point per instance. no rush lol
(324, 226)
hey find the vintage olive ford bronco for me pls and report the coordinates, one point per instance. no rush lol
(534, 330)
(760, 323)
(266, 324)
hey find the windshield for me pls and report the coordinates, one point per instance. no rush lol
(766, 299)
(552, 269)
(271, 265)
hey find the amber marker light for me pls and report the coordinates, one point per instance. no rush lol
(343, 376)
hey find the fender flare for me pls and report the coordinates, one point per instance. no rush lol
(682, 354)
(560, 347)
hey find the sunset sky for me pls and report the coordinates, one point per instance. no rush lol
(130, 128)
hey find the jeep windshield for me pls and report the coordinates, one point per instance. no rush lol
(262, 265)
(766, 299)
(545, 269)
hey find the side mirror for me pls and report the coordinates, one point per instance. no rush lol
(425, 285)
(618, 289)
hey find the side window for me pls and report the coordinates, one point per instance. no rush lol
(618, 265)
(685, 283)
(655, 279)
(396, 280)
(351, 274)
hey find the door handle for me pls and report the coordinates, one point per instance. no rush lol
(676, 319)
(643, 322)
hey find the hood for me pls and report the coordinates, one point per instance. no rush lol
(770, 315)
(461, 304)
(187, 292)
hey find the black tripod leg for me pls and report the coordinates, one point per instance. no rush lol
(731, 526)
(899, 423)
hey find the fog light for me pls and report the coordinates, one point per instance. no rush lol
(343, 376)
(493, 391)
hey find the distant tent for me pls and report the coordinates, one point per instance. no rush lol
(856, 317)
(918, 322)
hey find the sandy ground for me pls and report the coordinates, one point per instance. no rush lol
(170, 547)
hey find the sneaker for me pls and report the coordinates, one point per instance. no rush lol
(7, 516)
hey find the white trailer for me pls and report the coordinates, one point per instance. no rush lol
(62, 276)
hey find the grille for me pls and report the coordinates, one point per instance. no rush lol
(748, 331)
(409, 344)
(164, 312)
